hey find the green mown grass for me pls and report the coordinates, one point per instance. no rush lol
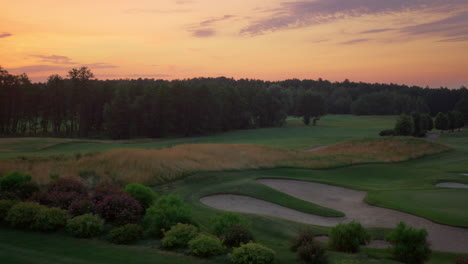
(295, 135)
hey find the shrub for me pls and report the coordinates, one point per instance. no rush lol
(5, 206)
(205, 246)
(404, 126)
(409, 244)
(166, 212)
(387, 132)
(13, 181)
(223, 222)
(62, 199)
(26, 190)
(50, 219)
(85, 226)
(312, 252)
(348, 237)
(81, 206)
(179, 236)
(66, 185)
(22, 215)
(143, 194)
(305, 236)
(126, 234)
(461, 260)
(252, 253)
(119, 209)
(237, 235)
(103, 190)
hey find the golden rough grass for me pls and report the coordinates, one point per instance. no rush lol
(152, 166)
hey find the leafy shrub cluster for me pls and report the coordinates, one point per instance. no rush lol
(461, 260)
(144, 195)
(50, 219)
(166, 212)
(103, 190)
(179, 236)
(387, 132)
(5, 206)
(22, 215)
(126, 234)
(308, 250)
(348, 237)
(205, 246)
(252, 253)
(119, 209)
(410, 245)
(85, 226)
(17, 186)
(223, 222)
(81, 206)
(237, 235)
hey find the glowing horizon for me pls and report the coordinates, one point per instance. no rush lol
(412, 42)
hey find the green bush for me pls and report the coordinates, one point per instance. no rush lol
(22, 214)
(5, 206)
(312, 252)
(387, 132)
(252, 253)
(166, 212)
(50, 219)
(409, 244)
(237, 235)
(144, 195)
(348, 237)
(126, 234)
(404, 126)
(305, 236)
(205, 246)
(85, 226)
(223, 222)
(179, 236)
(14, 181)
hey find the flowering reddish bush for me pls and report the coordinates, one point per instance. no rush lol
(305, 236)
(39, 197)
(119, 209)
(312, 252)
(67, 185)
(461, 260)
(81, 206)
(103, 190)
(62, 199)
(237, 235)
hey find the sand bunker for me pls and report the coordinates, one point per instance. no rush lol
(348, 201)
(452, 185)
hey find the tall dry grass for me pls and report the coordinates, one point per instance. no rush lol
(163, 165)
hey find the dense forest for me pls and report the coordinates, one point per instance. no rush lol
(79, 105)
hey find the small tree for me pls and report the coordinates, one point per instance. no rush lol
(404, 126)
(427, 122)
(311, 106)
(409, 244)
(459, 119)
(452, 122)
(418, 126)
(441, 122)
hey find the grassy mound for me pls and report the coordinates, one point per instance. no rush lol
(168, 164)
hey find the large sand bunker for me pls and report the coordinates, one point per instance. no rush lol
(350, 202)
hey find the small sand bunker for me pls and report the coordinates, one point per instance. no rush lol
(464, 174)
(316, 148)
(452, 185)
(348, 201)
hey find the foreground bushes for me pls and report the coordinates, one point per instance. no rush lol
(179, 236)
(22, 215)
(5, 206)
(308, 250)
(205, 246)
(119, 209)
(166, 212)
(223, 222)
(126, 234)
(348, 237)
(252, 253)
(237, 235)
(50, 219)
(85, 226)
(409, 244)
(17, 185)
(144, 195)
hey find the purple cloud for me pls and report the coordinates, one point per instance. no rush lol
(203, 33)
(5, 35)
(354, 41)
(55, 59)
(379, 30)
(454, 28)
(306, 13)
(214, 20)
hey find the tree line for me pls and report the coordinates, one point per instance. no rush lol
(79, 105)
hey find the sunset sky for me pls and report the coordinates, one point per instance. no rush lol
(414, 42)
